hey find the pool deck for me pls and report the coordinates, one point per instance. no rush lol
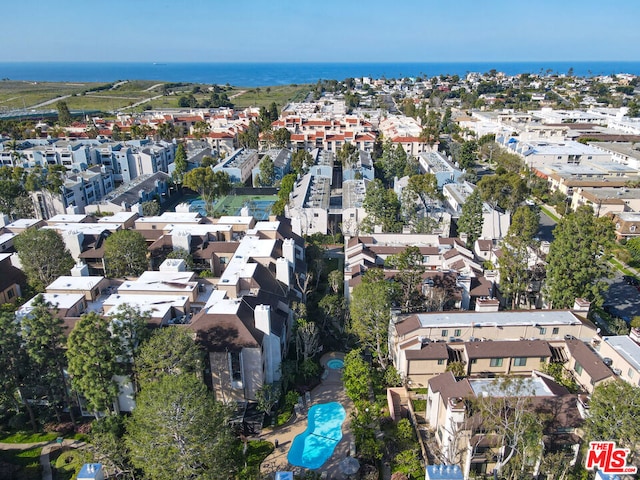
(330, 389)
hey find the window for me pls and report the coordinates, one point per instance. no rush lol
(519, 362)
(236, 368)
(578, 368)
(632, 228)
(474, 361)
(496, 362)
(445, 333)
(425, 259)
(10, 293)
(457, 332)
(224, 260)
(440, 361)
(630, 373)
(556, 330)
(543, 330)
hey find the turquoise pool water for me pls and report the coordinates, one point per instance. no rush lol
(335, 364)
(314, 446)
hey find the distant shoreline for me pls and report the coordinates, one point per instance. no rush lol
(272, 74)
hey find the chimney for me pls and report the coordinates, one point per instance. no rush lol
(80, 270)
(181, 239)
(73, 241)
(289, 250)
(283, 272)
(487, 305)
(173, 265)
(262, 318)
(581, 305)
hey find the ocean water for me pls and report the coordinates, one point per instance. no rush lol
(263, 74)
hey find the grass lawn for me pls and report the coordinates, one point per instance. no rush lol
(257, 451)
(27, 437)
(265, 96)
(549, 213)
(621, 267)
(67, 463)
(20, 464)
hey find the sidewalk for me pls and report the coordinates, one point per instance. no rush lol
(47, 447)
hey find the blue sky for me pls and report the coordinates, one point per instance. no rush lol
(319, 31)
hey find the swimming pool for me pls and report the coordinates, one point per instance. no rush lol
(314, 446)
(335, 364)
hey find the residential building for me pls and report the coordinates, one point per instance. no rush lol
(436, 164)
(12, 280)
(623, 356)
(281, 158)
(239, 165)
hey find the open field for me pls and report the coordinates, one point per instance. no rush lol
(82, 96)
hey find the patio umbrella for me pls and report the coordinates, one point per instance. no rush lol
(349, 466)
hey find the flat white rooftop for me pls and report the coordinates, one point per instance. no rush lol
(627, 348)
(172, 217)
(22, 223)
(234, 220)
(67, 282)
(531, 386)
(67, 218)
(5, 237)
(118, 217)
(157, 307)
(62, 301)
(498, 319)
(197, 228)
(226, 306)
(87, 228)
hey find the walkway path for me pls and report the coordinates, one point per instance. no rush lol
(47, 447)
(330, 389)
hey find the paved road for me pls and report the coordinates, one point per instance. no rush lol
(623, 300)
(49, 102)
(547, 224)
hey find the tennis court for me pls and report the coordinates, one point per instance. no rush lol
(259, 205)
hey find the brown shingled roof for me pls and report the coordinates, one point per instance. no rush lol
(591, 362)
(506, 348)
(430, 351)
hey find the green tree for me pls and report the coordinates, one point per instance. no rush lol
(170, 351)
(166, 131)
(178, 432)
(348, 155)
(129, 327)
(300, 161)
(514, 262)
(210, 185)
(468, 154)
(267, 174)
(409, 276)
(356, 376)
(408, 462)
(578, 258)
(508, 417)
(282, 137)
(201, 129)
(382, 207)
(180, 163)
(182, 254)
(44, 341)
(150, 208)
(92, 354)
(614, 410)
(125, 253)
(267, 397)
(506, 191)
(370, 313)
(471, 219)
(15, 368)
(64, 116)
(43, 255)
